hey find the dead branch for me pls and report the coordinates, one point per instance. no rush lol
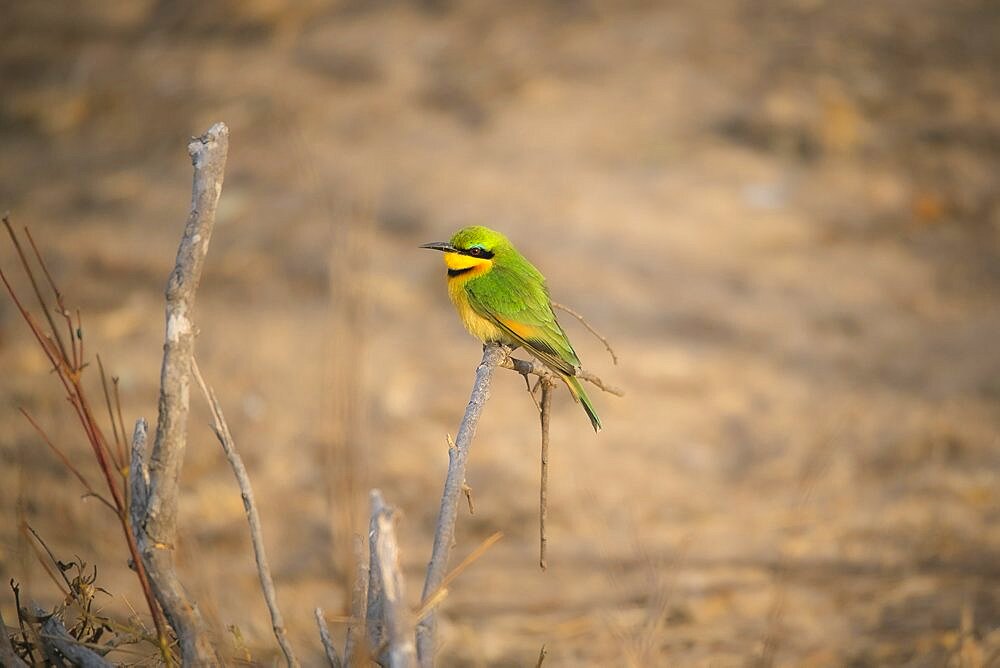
(396, 632)
(444, 536)
(55, 636)
(7, 655)
(324, 635)
(590, 328)
(359, 603)
(221, 429)
(543, 490)
(157, 530)
(535, 368)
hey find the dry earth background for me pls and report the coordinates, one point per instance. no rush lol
(786, 216)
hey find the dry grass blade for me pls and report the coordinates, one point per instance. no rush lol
(439, 594)
(29, 533)
(590, 328)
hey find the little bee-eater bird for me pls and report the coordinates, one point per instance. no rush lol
(502, 298)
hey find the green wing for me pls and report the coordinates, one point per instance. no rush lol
(515, 300)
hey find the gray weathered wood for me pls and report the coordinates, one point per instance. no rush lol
(55, 635)
(397, 622)
(444, 536)
(156, 533)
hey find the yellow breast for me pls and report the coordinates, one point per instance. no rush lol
(478, 326)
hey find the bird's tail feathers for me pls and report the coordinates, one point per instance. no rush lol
(580, 395)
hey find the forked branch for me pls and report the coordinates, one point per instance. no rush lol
(156, 529)
(493, 356)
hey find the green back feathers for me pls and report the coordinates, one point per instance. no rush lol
(512, 295)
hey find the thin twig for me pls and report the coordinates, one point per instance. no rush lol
(157, 532)
(118, 408)
(397, 622)
(535, 368)
(221, 429)
(117, 455)
(34, 286)
(7, 655)
(444, 536)
(590, 328)
(25, 528)
(359, 603)
(69, 374)
(542, 653)
(332, 659)
(66, 462)
(543, 489)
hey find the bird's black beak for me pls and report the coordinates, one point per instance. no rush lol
(441, 246)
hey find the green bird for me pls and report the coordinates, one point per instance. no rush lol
(502, 298)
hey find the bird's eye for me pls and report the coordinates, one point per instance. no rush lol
(475, 251)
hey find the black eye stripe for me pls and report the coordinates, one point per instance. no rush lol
(477, 251)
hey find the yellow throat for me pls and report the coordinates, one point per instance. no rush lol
(478, 326)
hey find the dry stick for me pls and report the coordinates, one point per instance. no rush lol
(590, 328)
(324, 635)
(542, 653)
(55, 635)
(535, 368)
(397, 621)
(543, 492)
(221, 429)
(444, 536)
(7, 655)
(359, 603)
(157, 530)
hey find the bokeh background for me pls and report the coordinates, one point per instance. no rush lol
(785, 215)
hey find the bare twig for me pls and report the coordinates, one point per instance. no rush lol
(55, 635)
(542, 653)
(332, 659)
(157, 532)
(543, 490)
(221, 429)
(590, 328)
(444, 536)
(66, 462)
(69, 369)
(466, 488)
(535, 368)
(397, 631)
(7, 655)
(359, 603)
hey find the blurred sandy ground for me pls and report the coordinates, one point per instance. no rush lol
(784, 214)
